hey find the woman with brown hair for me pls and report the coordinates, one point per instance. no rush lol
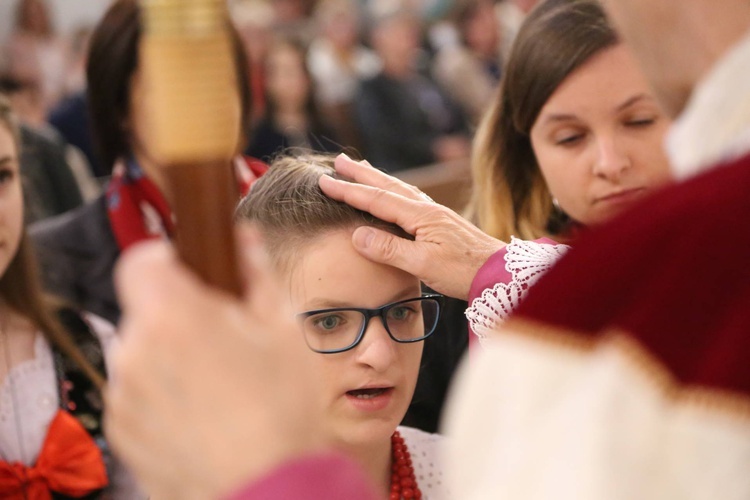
(564, 49)
(573, 138)
(78, 250)
(52, 367)
(292, 118)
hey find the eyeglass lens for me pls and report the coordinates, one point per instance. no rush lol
(339, 329)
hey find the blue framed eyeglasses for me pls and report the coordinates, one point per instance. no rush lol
(340, 329)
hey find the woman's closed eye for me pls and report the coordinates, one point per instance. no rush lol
(640, 122)
(567, 135)
(568, 139)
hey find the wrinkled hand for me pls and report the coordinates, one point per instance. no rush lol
(207, 391)
(448, 250)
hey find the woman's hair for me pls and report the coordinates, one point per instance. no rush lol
(291, 210)
(20, 287)
(112, 61)
(510, 196)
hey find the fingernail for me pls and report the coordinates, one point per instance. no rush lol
(363, 237)
(346, 156)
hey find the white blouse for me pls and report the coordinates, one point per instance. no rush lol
(29, 400)
(426, 457)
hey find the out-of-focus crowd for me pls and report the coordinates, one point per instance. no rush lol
(402, 83)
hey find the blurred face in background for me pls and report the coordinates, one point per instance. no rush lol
(481, 29)
(396, 40)
(287, 80)
(598, 138)
(342, 28)
(288, 11)
(33, 17)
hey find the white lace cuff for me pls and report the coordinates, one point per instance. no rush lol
(526, 262)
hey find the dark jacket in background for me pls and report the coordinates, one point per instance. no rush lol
(77, 253)
(71, 119)
(48, 182)
(400, 120)
(267, 141)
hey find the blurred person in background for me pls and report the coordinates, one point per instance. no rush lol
(338, 61)
(405, 119)
(293, 18)
(36, 56)
(511, 14)
(470, 69)
(292, 119)
(254, 21)
(78, 250)
(70, 116)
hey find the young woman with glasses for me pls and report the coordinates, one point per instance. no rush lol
(363, 322)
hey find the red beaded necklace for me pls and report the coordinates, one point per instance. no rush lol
(403, 483)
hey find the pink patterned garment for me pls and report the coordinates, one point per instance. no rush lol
(504, 280)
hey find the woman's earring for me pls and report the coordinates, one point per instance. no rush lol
(556, 204)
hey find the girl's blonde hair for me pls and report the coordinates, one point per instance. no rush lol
(291, 210)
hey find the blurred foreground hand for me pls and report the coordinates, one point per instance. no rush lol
(207, 391)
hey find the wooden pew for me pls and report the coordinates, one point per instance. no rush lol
(447, 183)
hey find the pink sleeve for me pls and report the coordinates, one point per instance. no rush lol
(491, 273)
(319, 477)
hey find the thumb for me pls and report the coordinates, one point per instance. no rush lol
(385, 248)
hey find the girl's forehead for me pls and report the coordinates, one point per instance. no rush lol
(332, 270)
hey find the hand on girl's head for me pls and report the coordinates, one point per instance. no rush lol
(447, 250)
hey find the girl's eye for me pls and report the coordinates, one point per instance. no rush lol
(400, 313)
(329, 322)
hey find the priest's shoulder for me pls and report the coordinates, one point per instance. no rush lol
(684, 236)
